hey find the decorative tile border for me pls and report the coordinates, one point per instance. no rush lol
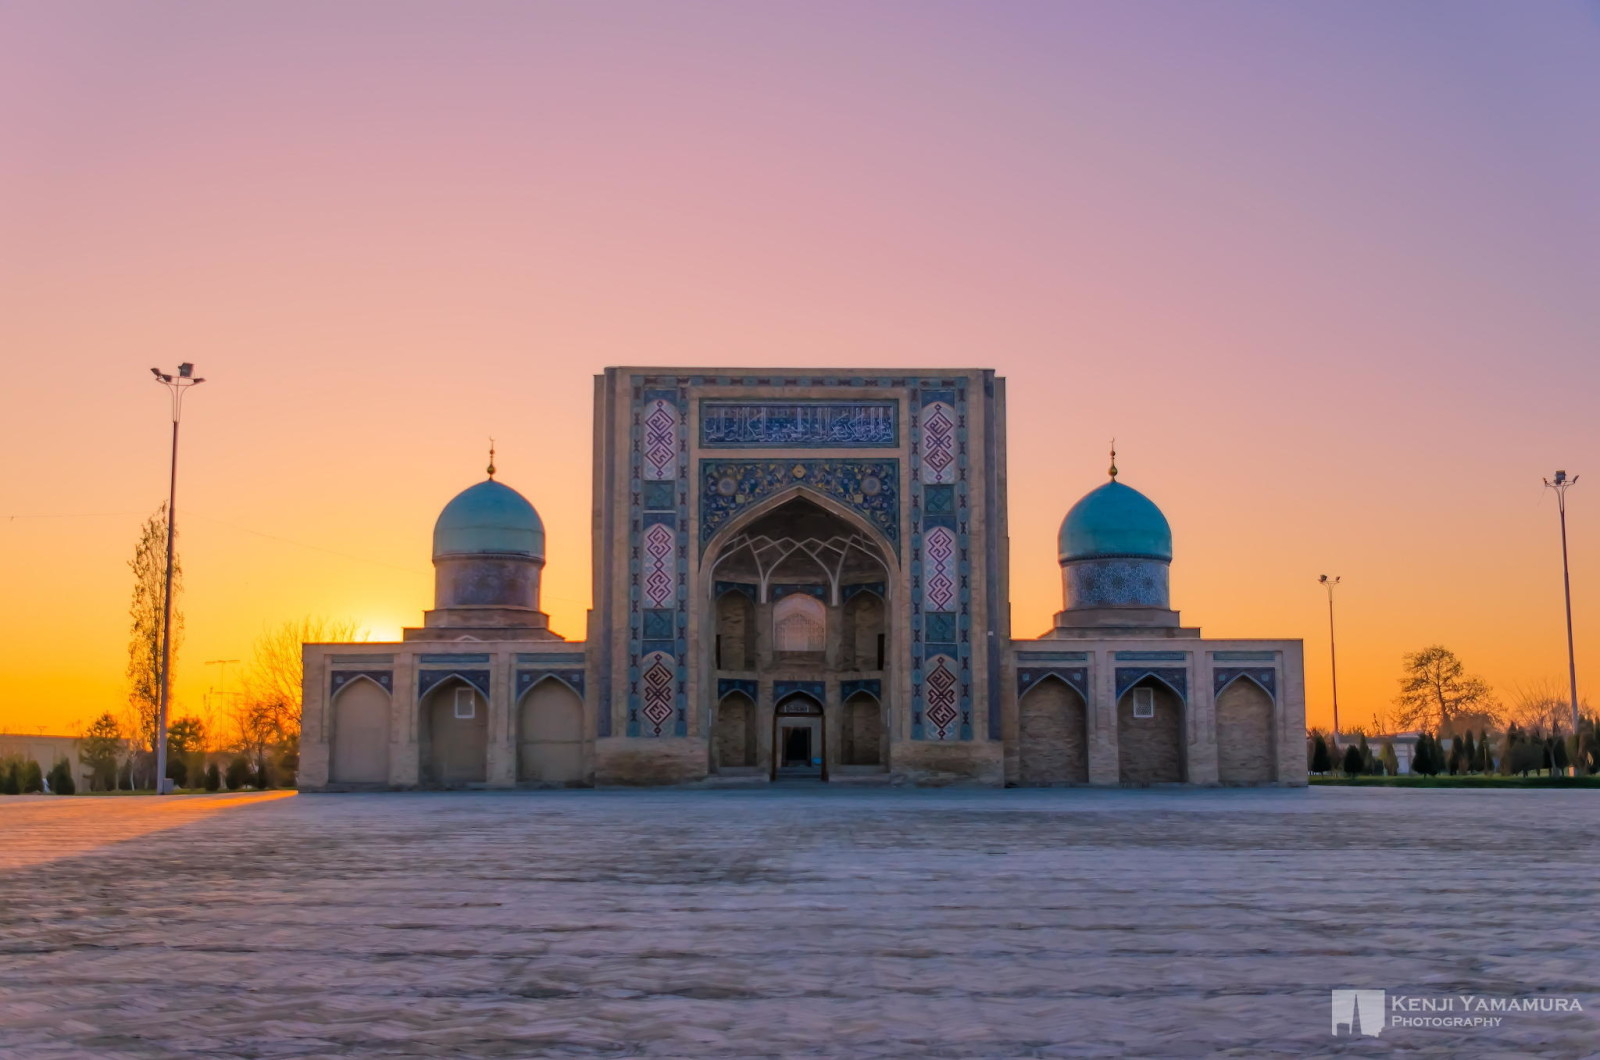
(1172, 677)
(782, 690)
(339, 678)
(870, 488)
(1265, 676)
(798, 424)
(427, 680)
(871, 686)
(1076, 677)
(526, 679)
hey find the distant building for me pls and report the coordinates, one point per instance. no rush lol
(801, 574)
(47, 751)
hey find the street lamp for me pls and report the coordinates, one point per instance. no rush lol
(1560, 483)
(177, 385)
(1333, 658)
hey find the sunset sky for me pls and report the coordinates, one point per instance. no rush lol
(1329, 272)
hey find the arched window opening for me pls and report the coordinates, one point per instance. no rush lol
(799, 624)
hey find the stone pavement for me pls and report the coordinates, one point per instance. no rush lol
(799, 921)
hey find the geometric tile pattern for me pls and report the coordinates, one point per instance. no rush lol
(657, 522)
(658, 685)
(941, 648)
(660, 565)
(943, 696)
(1117, 583)
(938, 443)
(660, 440)
(939, 569)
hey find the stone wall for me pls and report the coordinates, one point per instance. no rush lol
(622, 761)
(735, 734)
(550, 736)
(1150, 750)
(1052, 735)
(1244, 735)
(862, 731)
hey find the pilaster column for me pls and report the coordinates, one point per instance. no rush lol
(405, 764)
(1102, 719)
(502, 765)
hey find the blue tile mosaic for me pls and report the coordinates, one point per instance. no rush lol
(817, 424)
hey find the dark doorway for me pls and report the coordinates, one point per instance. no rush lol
(797, 739)
(796, 747)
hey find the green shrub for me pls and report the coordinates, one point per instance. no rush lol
(61, 782)
(10, 777)
(213, 777)
(32, 777)
(238, 774)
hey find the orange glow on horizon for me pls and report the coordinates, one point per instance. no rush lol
(1333, 296)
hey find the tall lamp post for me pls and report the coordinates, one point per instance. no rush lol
(1559, 483)
(178, 385)
(1333, 658)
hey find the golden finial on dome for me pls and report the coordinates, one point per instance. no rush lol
(491, 458)
(1113, 460)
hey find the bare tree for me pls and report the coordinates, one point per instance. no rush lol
(149, 566)
(265, 718)
(276, 674)
(1543, 705)
(1437, 692)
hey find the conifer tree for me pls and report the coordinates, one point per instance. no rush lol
(1320, 762)
(1354, 765)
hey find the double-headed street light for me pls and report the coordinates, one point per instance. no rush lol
(1559, 482)
(177, 384)
(1333, 658)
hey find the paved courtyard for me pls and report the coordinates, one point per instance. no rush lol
(790, 922)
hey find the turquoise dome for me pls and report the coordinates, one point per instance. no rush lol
(1115, 520)
(488, 518)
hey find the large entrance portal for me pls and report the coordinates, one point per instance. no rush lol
(799, 745)
(799, 605)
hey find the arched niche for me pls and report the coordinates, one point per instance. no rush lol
(1052, 735)
(734, 732)
(864, 643)
(550, 734)
(862, 737)
(1246, 744)
(1150, 750)
(799, 625)
(736, 632)
(455, 734)
(360, 736)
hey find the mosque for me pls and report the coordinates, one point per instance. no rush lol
(801, 575)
